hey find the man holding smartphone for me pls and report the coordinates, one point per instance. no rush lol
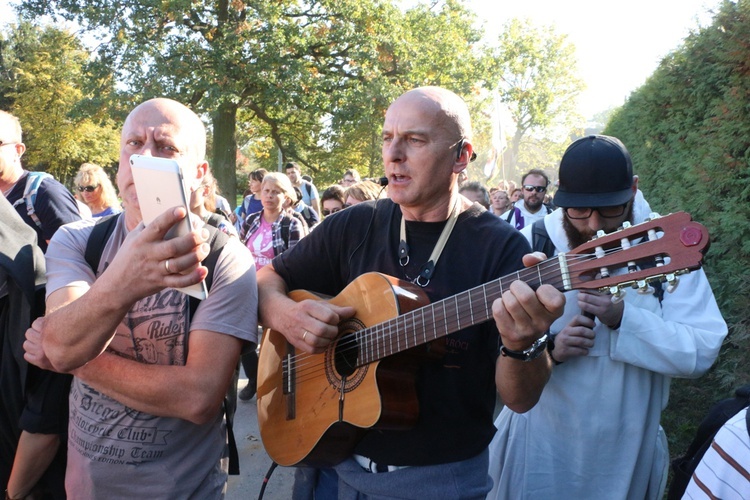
(149, 377)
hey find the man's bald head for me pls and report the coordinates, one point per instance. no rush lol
(178, 116)
(453, 114)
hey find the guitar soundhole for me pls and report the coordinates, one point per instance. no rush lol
(346, 355)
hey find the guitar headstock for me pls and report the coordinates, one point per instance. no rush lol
(658, 249)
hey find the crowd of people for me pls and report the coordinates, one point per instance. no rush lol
(123, 387)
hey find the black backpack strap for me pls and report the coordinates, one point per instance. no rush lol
(215, 219)
(98, 240)
(510, 214)
(540, 240)
(286, 222)
(234, 454)
(218, 240)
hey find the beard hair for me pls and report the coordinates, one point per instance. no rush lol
(577, 238)
(536, 205)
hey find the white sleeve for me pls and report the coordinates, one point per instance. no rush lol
(681, 339)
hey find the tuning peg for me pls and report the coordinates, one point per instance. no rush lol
(617, 294)
(672, 282)
(625, 224)
(652, 216)
(600, 233)
(644, 288)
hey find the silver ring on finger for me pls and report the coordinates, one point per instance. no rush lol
(304, 336)
(166, 266)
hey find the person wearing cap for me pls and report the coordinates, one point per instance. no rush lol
(595, 432)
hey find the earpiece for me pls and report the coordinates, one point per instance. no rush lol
(460, 148)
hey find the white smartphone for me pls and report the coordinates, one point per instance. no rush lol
(160, 185)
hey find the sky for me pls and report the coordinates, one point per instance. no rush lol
(619, 44)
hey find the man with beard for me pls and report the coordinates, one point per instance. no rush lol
(595, 432)
(531, 208)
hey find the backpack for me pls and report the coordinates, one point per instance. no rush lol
(683, 467)
(218, 239)
(540, 240)
(311, 218)
(308, 188)
(33, 181)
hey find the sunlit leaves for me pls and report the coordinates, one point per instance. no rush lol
(47, 88)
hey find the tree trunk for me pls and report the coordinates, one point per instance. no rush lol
(224, 161)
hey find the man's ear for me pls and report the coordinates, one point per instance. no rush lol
(463, 156)
(201, 170)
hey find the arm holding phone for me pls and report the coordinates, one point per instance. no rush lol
(72, 336)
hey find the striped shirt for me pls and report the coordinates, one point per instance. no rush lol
(724, 471)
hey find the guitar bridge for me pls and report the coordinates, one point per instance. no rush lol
(288, 374)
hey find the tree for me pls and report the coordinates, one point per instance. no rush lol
(314, 77)
(538, 81)
(437, 44)
(282, 62)
(45, 88)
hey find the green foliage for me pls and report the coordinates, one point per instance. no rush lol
(688, 130)
(538, 81)
(302, 80)
(46, 70)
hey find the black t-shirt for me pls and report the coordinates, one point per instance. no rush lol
(54, 206)
(457, 393)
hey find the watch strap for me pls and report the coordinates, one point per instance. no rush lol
(534, 351)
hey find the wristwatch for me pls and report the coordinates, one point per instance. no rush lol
(533, 352)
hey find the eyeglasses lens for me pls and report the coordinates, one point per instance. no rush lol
(606, 212)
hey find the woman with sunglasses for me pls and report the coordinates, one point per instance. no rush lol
(94, 188)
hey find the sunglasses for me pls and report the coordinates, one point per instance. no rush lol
(538, 189)
(88, 189)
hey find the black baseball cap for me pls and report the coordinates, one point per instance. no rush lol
(595, 171)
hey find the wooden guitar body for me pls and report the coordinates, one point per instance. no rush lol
(314, 411)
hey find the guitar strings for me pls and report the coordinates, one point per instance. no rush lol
(380, 338)
(382, 342)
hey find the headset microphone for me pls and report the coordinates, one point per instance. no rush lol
(383, 181)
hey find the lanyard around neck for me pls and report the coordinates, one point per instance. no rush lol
(425, 273)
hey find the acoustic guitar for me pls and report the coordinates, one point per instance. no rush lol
(314, 408)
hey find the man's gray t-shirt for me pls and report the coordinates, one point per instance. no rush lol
(115, 451)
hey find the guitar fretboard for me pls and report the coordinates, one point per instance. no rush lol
(446, 316)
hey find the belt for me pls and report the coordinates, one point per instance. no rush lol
(370, 466)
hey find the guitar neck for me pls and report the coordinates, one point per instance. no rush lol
(658, 249)
(449, 315)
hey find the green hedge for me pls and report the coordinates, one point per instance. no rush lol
(688, 131)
